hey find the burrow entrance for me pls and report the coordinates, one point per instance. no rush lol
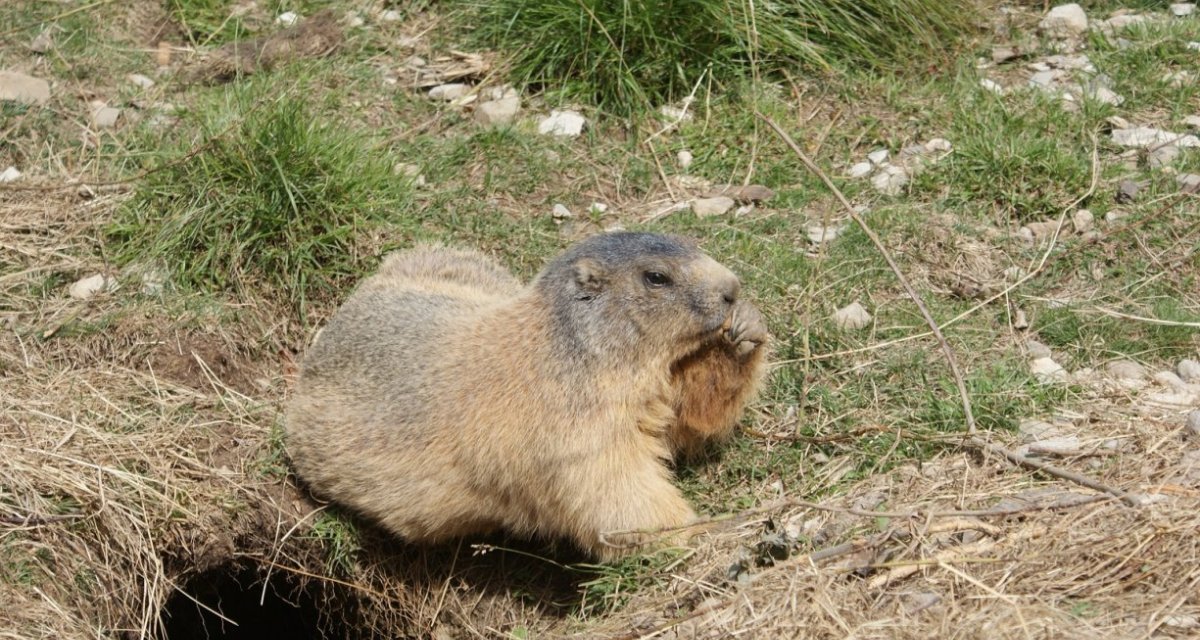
(229, 603)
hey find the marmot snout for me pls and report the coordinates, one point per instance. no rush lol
(446, 399)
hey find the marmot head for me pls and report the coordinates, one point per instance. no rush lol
(638, 294)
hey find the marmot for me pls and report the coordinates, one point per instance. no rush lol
(446, 399)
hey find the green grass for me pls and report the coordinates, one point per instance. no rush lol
(339, 536)
(280, 202)
(627, 56)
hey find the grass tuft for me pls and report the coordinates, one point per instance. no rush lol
(280, 203)
(626, 56)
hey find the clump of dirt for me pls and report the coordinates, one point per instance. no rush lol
(314, 37)
(204, 361)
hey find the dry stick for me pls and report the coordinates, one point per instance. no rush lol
(972, 439)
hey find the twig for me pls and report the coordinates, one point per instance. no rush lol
(37, 520)
(972, 440)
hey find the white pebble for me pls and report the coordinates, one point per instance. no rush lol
(860, 170)
(449, 92)
(852, 317)
(1083, 220)
(1189, 370)
(684, 159)
(991, 85)
(708, 207)
(890, 180)
(562, 123)
(1183, 9)
(938, 145)
(391, 15)
(1126, 370)
(878, 156)
(85, 288)
(140, 80)
(1046, 370)
(1064, 21)
(9, 175)
(288, 18)
(560, 212)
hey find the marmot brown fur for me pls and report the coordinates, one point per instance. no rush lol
(446, 399)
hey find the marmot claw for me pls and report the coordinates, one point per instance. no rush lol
(747, 329)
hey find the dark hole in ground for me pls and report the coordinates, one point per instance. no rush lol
(290, 609)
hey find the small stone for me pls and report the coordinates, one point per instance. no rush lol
(938, 145)
(19, 87)
(675, 114)
(912, 151)
(406, 169)
(1149, 136)
(140, 80)
(1034, 430)
(1183, 9)
(1046, 80)
(1025, 234)
(353, 20)
(562, 123)
(1064, 21)
(415, 62)
(1169, 379)
(598, 207)
(1039, 65)
(1192, 122)
(449, 92)
(1192, 424)
(287, 18)
(1047, 371)
(819, 234)
(391, 15)
(1014, 273)
(878, 156)
(1193, 46)
(1121, 21)
(1182, 621)
(1083, 220)
(752, 193)
(684, 159)
(1114, 216)
(1162, 156)
(1127, 191)
(1188, 182)
(560, 212)
(1125, 370)
(1177, 78)
(1004, 53)
(85, 288)
(1071, 63)
(1189, 370)
(9, 175)
(1104, 95)
(861, 170)
(1059, 446)
(707, 207)
(1037, 349)
(991, 85)
(104, 116)
(851, 317)
(498, 112)
(1020, 322)
(1045, 229)
(43, 43)
(890, 180)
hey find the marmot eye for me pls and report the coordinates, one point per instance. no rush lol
(656, 279)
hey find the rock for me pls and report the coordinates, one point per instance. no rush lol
(353, 19)
(1045, 229)
(1127, 191)
(1046, 80)
(560, 212)
(991, 85)
(104, 116)
(675, 114)
(938, 145)
(684, 159)
(1014, 273)
(1192, 122)
(9, 175)
(1047, 371)
(19, 87)
(1125, 370)
(1103, 95)
(878, 156)
(861, 170)
(1183, 9)
(140, 80)
(1162, 156)
(1149, 136)
(1119, 22)
(85, 288)
(819, 234)
(449, 92)
(1005, 53)
(1071, 63)
(562, 123)
(1170, 379)
(598, 207)
(1037, 349)
(391, 15)
(43, 43)
(498, 112)
(890, 180)
(1064, 21)
(1182, 621)
(1034, 430)
(1020, 322)
(1192, 424)
(851, 317)
(1177, 78)
(752, 193)
(1025, 234)
(707, 207)
(287, 18)
(1188, 182)
(912, 151)
(1114, 216)
(1083, 220)
(1193, 46)
(1189, 370)
(1059, 446)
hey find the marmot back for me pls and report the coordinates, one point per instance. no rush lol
(445, 399)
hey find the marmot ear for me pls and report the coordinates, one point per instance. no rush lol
(590, 277)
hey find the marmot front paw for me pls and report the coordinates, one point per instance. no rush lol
(747, 329)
